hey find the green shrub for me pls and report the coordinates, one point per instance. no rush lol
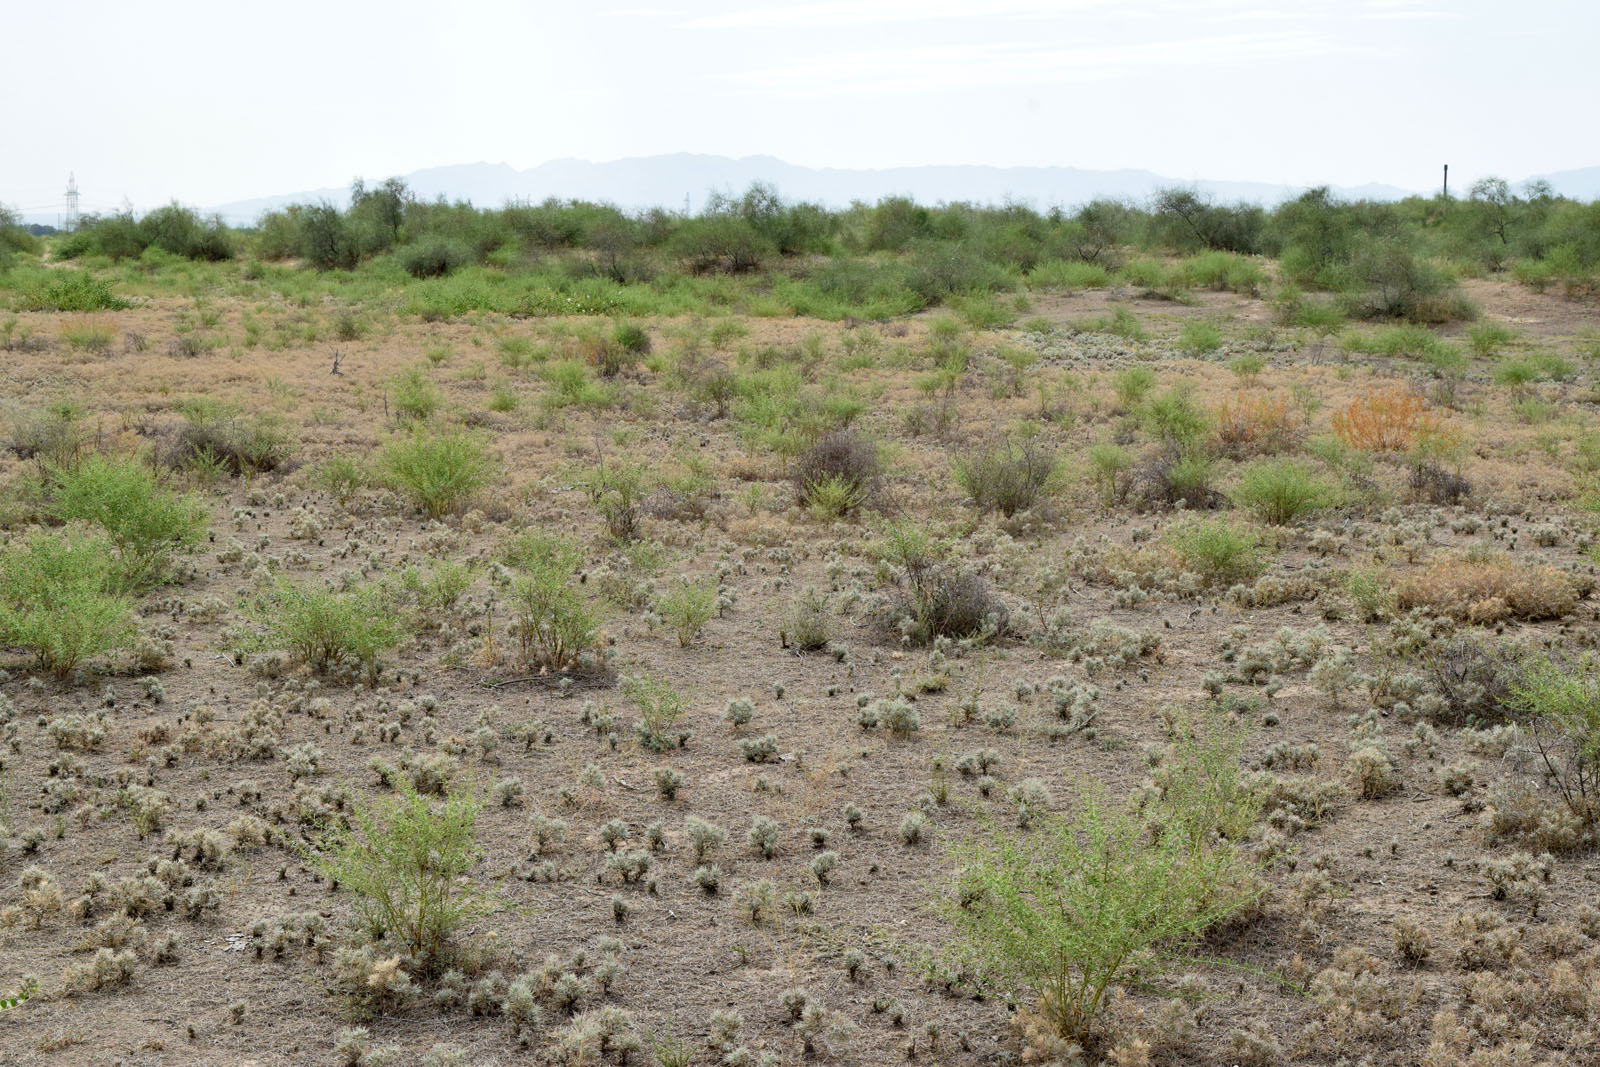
(551, 621)
(88, 336)
(415, 396)
(983, 312)
(833, 497)
(342, 477)
(1280, 491)
(440, 587)
(1183, 477)
(223, 437)
(1217, 550)
(1069, 274)
(631, 337)
(938, 600)
(1389, 279)
(1222, 271)
(1144, 273)
(71, 290)
(1175, 417)
(1132, 384)
(52, 434)
(146, 521)
(687, 606)
(807, 622)
(57, 599)
(323, 628)
(1488, 338)
(660, 708)
(325, 239)
(572, 386)
(838, 474)
(617, 492)
(434, 258)
(1008, 476)
(1062, 912)
(1109, 472)
(1562, 701)
(1198, 338)
(405, 860)
(438, 471)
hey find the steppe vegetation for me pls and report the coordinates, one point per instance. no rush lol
(1133, 636)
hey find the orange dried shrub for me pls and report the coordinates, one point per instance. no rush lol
(1256, 423)
(1483, 591)
(1384, 420)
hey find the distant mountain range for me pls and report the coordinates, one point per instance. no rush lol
(668, 180)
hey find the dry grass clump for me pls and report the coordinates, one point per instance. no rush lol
(1255, 423)
(1484, 591)
(1384, 420)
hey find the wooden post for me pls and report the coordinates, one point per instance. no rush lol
(1447, 181)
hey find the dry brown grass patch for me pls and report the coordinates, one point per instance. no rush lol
(1253, 423)
(1484, 591)
(1384, 420)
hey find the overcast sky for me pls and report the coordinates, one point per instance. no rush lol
(207, 102)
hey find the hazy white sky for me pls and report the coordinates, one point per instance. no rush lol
(208, 102)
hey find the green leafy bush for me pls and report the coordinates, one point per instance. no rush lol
(71, 290)
(1197, 338)
(323, 628)
(434, 258)
(631, 337)
(1280, 491)
(57, 599)
(1562, 701)
(415, 397)
(1217, 550)
(687, 606)
(1062, 912)
(660, 708)
(224, 437)
(617, 492)
(1175, 417)
(552, 623)
(438, 471)
(405, 859)
(1109, 472)
(146, 521)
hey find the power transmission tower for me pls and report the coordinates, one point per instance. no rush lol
(72, 202)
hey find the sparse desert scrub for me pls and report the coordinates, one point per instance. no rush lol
(166, 794)
(1253, 422)
(837, 475)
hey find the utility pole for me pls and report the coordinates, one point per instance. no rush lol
(72, 201)
(1447, 181)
